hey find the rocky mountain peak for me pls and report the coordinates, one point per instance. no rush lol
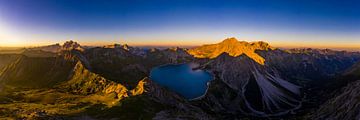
(113, 46)
(233, 47)
(126, 47)
(71, 45)
(261, 45)
(230, 40)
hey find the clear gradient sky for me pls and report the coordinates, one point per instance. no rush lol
(283, 23)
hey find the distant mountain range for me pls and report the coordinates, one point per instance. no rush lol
(252, 81)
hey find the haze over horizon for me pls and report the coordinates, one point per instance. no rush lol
(319, 24)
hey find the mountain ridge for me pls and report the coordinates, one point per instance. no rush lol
(116, 75)
(234, 48)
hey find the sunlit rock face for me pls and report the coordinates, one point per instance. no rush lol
(233, 47)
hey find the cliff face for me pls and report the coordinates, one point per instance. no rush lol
(232, 47)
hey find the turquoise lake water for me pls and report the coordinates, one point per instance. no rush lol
(182, 79)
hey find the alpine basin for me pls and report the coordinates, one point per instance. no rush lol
(182, 79)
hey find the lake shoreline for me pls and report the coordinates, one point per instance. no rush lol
(192, 65)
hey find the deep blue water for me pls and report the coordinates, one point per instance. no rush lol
(182, 79)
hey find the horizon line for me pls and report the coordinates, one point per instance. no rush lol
(274, 44)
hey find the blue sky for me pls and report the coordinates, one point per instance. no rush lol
(299, 23)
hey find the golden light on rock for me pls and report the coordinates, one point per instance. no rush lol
(234, 48)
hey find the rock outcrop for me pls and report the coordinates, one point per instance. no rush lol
(71, 45)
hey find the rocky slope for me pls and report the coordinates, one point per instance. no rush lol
(254, 89)
(344, 102)
(310, 66)
(344, 106)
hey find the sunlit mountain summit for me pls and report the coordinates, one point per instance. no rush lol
(234, 48)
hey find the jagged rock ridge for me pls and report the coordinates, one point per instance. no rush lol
(71, 45)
